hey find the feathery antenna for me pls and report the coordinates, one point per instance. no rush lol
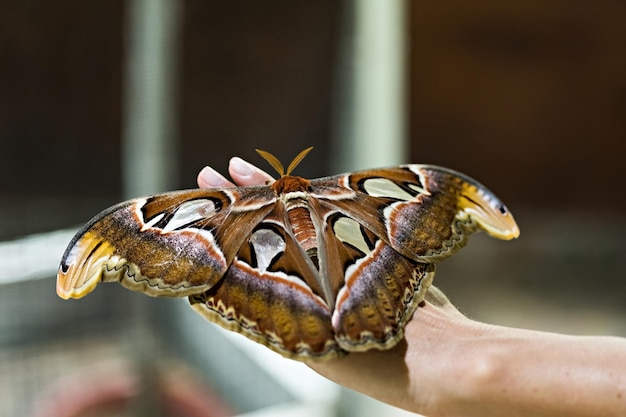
(278, 166)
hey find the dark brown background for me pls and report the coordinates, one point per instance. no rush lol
(528, 97)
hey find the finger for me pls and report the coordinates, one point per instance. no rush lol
(210, 178)
(244, 173)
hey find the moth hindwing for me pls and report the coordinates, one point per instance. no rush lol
(312, 269)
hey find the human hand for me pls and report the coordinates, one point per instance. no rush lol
(449, 365)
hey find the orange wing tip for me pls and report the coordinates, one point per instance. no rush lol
(67, 290)
(491, 215)
(85, 266)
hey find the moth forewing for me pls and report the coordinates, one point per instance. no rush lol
(473, 198)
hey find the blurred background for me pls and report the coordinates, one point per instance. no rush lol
(106, 100)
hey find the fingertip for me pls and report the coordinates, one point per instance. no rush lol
(210, 178)
(240, 168)
(244, 173)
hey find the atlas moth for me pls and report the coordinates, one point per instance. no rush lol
(312, 269)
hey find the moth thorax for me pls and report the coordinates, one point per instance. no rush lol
(289, 184)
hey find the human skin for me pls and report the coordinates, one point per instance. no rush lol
(448, 365)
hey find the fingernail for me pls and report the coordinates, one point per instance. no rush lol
(241, 167)
(208, 177)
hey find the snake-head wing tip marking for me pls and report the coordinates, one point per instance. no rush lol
(66, 290)
(62, 286)
(512, 232)
(489, 212)
(82, 266)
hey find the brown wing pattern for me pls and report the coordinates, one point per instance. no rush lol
(172, 244)
(271, 294)
(424, 212)
(380, 287)
(311, 269)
